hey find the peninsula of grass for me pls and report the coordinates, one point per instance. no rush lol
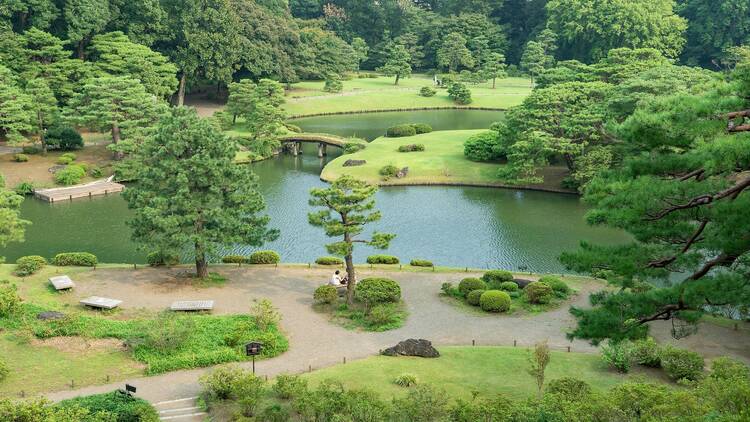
(441, 163)
(460, 371)
(378, 94)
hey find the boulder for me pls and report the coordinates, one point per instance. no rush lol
(50, 315)
(402, 173)
(354, 163)
(413, 347)
(522, 282)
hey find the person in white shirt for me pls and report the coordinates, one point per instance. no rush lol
(336, 279)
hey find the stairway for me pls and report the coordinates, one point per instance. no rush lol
(180, 410)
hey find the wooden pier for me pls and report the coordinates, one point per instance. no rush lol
(99, 187)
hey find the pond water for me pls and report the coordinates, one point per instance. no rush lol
(456, 226)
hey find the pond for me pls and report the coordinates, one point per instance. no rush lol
(456, 226)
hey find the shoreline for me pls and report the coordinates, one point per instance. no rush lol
(394, 110)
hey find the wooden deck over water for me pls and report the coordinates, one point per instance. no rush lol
(99, 187)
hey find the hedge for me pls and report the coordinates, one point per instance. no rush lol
(234, 259)
(376, 290)
(401, 131)
(680, 363)
(411, 148)
(78, 259)
(538, 292)
(122, 407)
(493, 278)
(329, 260)
(382, 259)
(473, 297)
(494, 301)
(468, 284)
(326, 294)
(264, 257)
(421, 128)
(509, 286)
(421, 263)
(157, 259)
(27, 265)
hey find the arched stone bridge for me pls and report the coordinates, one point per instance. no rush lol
(293, 141)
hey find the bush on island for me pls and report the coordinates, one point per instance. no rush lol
(493, 278)
(420, 263)
(77, 259)
(400, 131)
(494, 301)
(264, 257)
(382, 259)
(468, 284)
(329, 260)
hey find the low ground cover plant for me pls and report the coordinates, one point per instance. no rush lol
(70, 175)
(20, 158)
(678, 364)
(421, 263)
(411, 148)
(264, 257)
(329, 260)
(382, 259)
(118, 406)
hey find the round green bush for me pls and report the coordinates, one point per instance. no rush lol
(680, 363)
(401, 131)
(493, 278)
(570, 388)
(388, 171)
(64, 138)
(509, 286)
(382, 259)
(122, 407)
(459, 93)
(421, 263)
(78, 259)
(20, 158)
(329, 260)
(468, 284)
(474, 296)
(557, 285)
(377, 290)
(27, 265)
(646, 352)
(264, 257)
(494, 301)
(62, 160)
(411, 148)
(70, 175)
(10, 302)
(421, 128)
(326, 294)
(427, 91)
(157, 259)
(234, 259)
(538, 292)
(483, 146)
(24, 188)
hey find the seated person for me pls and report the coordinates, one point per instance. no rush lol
(336, 279)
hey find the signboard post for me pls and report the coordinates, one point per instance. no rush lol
(253, 349)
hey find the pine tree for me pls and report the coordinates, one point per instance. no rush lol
(398, 63)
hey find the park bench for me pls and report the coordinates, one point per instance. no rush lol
(62, 282)
(101, 302)
(192, 305)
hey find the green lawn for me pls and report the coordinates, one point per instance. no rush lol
(461, 370)
(370, 94)
(442, 162)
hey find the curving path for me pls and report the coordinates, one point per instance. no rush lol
(315, 342)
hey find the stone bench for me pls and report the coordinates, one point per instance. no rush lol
(192, 305)
(101, 302)
(62, 282)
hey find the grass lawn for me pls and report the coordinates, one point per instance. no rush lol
(462, 370)
(442, 162)
(370, 94)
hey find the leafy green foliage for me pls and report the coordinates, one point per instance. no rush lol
(64, 138)
(70, 175)
(371, 291)
(289, 386)
(483, 147)
(333, 84)
(421, 263)
(10, 302)
(427, 91)
(538, 292)
(494, 278)
(459, 93)
(406, 380)
(474, 297)
(79, 259)
(508, 286)
(329, 260)
(382, 259)
(122, 407)
(680, 363)
(468, 284)
(646, 352)
(159, 258)
(453, 53)
(27, 265)
(20, 158)
(326, 294)
(398, 63)
(494, 301)
(265, 314)
(264, 257)
(618, 355)
(401, 131)
(4, 370)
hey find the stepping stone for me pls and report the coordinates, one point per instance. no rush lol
(50, 315)
(101, 302)
(62, 282)
(192, 305)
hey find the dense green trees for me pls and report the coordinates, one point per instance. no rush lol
(713, 27)
(260, 107)
(398, 63)
(191, 193)
(11, 225)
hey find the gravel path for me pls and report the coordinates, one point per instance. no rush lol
(314, 341)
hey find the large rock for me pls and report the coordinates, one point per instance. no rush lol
(354, 163)
(50, 315)
(402, 173)
(413, 347)
(522, 282)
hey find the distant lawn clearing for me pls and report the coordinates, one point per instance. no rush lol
(461, 370)
(371, 94)
(442, 162)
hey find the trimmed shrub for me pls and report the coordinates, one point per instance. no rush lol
(493, 278)
(450, 290)
(326, 294)
(406, 380)
(10, 302)
(421, 128)
(473, 297)
(411, 148)
(30, 150)
(400, 131)
(4, 370)
(680, 363)
(494, 301)
(509, 286)
(388, 171)
(376, 290)
(69, 155)
(64, 138)
(96, 171)
(64, 160)
(264, 257)
(122, 407)
(618, 355)
(70, 175)
(459, 93)
(421, 263)
(24, 188)
(725, 368)
(558, 286)
(538, 292)
(427, 91)
(646, 352)
(333, 84)
(468, 284)
(570, 388)
(352, 147)
(20, 158)
(234, 259)
(77, 259)
(382, 259)
(157, 259)
(27, 265)
(329, 260)
(483, 146)
(383, 314)
(289, 386)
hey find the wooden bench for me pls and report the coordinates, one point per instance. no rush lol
(192, 305)
(62, 282)
(101, 302)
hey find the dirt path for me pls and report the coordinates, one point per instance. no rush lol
(317, 343)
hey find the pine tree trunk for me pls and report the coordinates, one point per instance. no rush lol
(494, 79)
(181, 90)
(201, 266)
(397, 78)
(42, 137)
(79, 48)
(352, 280)
(115, 139)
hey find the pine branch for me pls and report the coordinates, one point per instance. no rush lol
(702, 200)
